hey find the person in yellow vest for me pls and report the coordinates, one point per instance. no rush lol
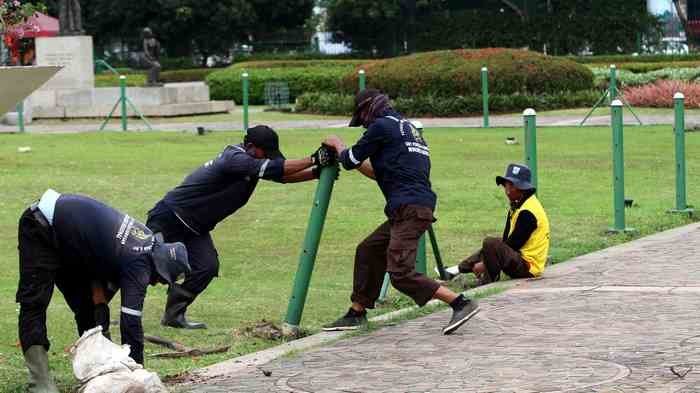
(522, 251)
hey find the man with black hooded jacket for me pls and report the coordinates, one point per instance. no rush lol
(393, 153)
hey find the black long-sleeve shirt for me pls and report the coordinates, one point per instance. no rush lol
(524, 226)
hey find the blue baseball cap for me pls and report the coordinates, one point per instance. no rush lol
(517, 174)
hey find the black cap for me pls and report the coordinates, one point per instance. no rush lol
(170, 259)
(517, 174)
(362, 99)
(265, 138)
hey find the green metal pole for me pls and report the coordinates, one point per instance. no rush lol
(421, 258)
(362, 79)
(246, 86)
(436, 253)
(485, 94)
(122, 100)
(679, 131)
(322, 198)
(20, 115)
(613, 82)
(618, 167)
(530, 120)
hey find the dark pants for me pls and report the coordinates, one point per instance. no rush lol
(202, 255)
(498, 257)
(40, 268)
(392, 248)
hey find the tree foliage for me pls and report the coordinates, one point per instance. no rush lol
(561, 26)
(185, 26)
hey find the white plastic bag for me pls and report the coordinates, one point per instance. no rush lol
(102, 366)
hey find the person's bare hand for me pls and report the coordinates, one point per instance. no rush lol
(335, 142)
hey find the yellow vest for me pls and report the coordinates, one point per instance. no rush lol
(536, 248)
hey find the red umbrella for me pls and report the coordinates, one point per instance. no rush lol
(38, 25)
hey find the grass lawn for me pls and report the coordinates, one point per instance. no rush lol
(260, 244)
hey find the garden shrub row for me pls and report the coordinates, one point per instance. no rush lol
(619, 59)
(138, 78)
(660, 94)
(457, 72)
(431, 105)
(629, 79)
(301, 77)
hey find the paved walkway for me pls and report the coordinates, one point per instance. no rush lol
(625, 319)
(495, 121)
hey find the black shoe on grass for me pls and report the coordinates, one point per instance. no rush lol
(462, 310)
(352, 320)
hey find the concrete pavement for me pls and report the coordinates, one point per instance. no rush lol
(624, 319)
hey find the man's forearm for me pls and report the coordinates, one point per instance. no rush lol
(366, 169)
(294, 166)
(303, 175)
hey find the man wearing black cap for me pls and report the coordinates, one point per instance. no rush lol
(74, 241)
(393, 152)
(213, 192)
(522, 250)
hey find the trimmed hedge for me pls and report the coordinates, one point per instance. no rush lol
(629, 79)
(139, 78)
(641, 68)
(619, 59)
(301, 76)
(431, 105)
(457, 73)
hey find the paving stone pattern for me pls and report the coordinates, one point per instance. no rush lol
(623, 319)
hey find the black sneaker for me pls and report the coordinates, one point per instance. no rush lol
(352, 320)
(460, 315)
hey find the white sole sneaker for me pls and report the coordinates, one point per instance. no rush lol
(340, 328)
(449, 329)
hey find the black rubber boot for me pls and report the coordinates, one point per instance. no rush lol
(174, 316)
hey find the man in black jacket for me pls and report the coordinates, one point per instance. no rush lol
(394, 154)
(72, 242)
(211, 193)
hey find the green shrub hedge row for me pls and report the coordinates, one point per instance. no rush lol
(139, 78)
(301, 76)
(629, 79)
(431, 105)
(619, 59)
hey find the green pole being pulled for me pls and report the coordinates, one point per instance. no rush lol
(485, 94)
(421, 258)
(362, 77)
(679, 132)
(322, 198)
(122, 100)
(530, 121)
(618, 168)
(20, 115)
(246, 86)
(613, 83)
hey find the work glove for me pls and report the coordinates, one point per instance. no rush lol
(317, 171)
(324, 156)
(37, 361)
(102, 319)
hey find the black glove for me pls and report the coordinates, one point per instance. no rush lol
(102, 318)
(323, 156)
(317, 171)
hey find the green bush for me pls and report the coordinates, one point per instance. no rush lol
(619, 59)
(301, 76)
(457, 73)
(641, 68)
(431, 105)
(138, 78)
(192, 75)
(630, 79)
